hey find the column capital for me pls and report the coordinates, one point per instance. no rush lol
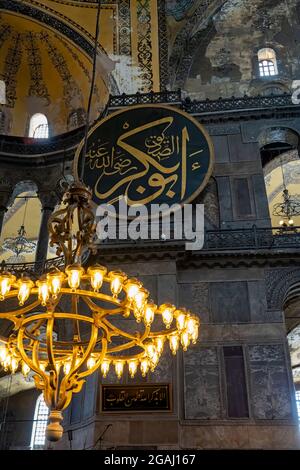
(49, 199)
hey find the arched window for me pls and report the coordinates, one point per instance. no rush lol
(267, 62)
(2, 92)
(38, 127)
(38, 435)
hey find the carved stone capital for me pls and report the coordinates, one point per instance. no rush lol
(49, 199)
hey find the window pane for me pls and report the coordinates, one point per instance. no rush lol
(38, 435)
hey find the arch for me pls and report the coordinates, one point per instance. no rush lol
(279, 282)
(267, 62)
(38, 126)
(38, 434)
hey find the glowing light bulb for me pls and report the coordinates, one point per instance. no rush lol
(291, 222)
(3, 353)
(43, 292)
(7, 362)
(116, 282)
(91, 362)
(139, 304)
(119, 367)
(180, 320)
(132, 287)
(97, 274)
(151, 350)
(154, 360)
(159, 343)
(149, 314)
(25, 369)
(14, 364)
(132, 367)
(174, 343)
(55, 279)
(185, 339)
(167, 314)
(67, 367)
(74, 273)
(281, 222)
(25, 286)
(105, 367)
(6, 281)
(144, 367)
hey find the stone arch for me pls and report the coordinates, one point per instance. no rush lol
(271, 135)
(279, 283)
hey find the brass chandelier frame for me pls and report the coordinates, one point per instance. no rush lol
(106, 303)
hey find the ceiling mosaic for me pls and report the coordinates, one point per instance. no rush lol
(49, 43)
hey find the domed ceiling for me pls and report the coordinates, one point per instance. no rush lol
(43, 72)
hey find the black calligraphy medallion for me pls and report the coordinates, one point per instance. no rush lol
(147, 154)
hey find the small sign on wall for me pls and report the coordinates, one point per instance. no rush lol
(136, 398)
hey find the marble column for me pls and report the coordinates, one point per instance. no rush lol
(48, 200)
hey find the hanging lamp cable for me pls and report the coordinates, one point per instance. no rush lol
(91, 91)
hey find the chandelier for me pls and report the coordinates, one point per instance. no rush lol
(70, 322)
(288, 208)
(20, 244)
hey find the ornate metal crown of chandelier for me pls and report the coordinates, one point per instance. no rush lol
(70, 322)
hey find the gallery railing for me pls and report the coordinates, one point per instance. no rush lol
(230, 240)
(167, 97)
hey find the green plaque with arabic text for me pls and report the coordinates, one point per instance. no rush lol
(146, 154)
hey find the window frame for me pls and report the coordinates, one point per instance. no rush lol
(39, 424)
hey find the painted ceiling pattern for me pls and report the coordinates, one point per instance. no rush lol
(49, 43)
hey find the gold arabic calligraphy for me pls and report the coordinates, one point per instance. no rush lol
(151, 168)
(124, 398)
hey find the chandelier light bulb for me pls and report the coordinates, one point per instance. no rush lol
(180, 320)
(132, 287)
(91, 362)
(55, 279)
(159, 343)
(3, 353)
(167, 314)
(67, 367)
(119, 367)
(97, 274)
(6, 281)
(116, 282)
(174, 343)
(185, 340)
(25, 369)
(105, 367)
(149, 314)
(139, 304)
(43, 291)
(132, 368)
(144, 367)
(291, 222)
(25, 286)
(74, 273)
(14, 364)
